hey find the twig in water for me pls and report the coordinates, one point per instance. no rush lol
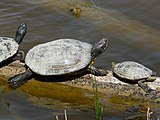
(65, 114)
(149, 114)
(57, 117)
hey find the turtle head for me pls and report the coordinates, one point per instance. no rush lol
(21, 32)
(99, 47)
(113, 64)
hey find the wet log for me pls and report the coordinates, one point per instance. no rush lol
(108, 84)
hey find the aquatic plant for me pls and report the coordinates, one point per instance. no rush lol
(98, 109)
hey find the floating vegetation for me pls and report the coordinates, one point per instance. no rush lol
(76, 11)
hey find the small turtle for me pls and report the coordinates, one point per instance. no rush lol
(61, 57)
(133, 72)
(9, 46)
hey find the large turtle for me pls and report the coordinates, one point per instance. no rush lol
(9, 46)
(61, 57)
(133, 72)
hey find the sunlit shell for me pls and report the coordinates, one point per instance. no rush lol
(59, 57)
(132, 70)
(8, 48)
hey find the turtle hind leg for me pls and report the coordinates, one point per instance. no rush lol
(95, 71)
(145, 87)
(151, 93)
(19, 79)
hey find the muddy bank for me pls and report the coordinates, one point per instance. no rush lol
(108, 85)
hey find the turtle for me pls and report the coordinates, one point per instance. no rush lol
(9, 47)
(61, 57)
(134, 72)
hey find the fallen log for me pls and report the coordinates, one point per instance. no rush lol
(108, 84)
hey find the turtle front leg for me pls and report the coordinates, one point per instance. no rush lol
(19, 79)
(21, 54)
(95, 71)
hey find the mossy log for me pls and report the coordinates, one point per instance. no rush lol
(106, 84)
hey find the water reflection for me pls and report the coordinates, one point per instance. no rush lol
(17, 105)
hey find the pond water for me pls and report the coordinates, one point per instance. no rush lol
(132, 28)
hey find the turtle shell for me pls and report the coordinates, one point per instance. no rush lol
(59, 57)
(132, 70)
(8, 48)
